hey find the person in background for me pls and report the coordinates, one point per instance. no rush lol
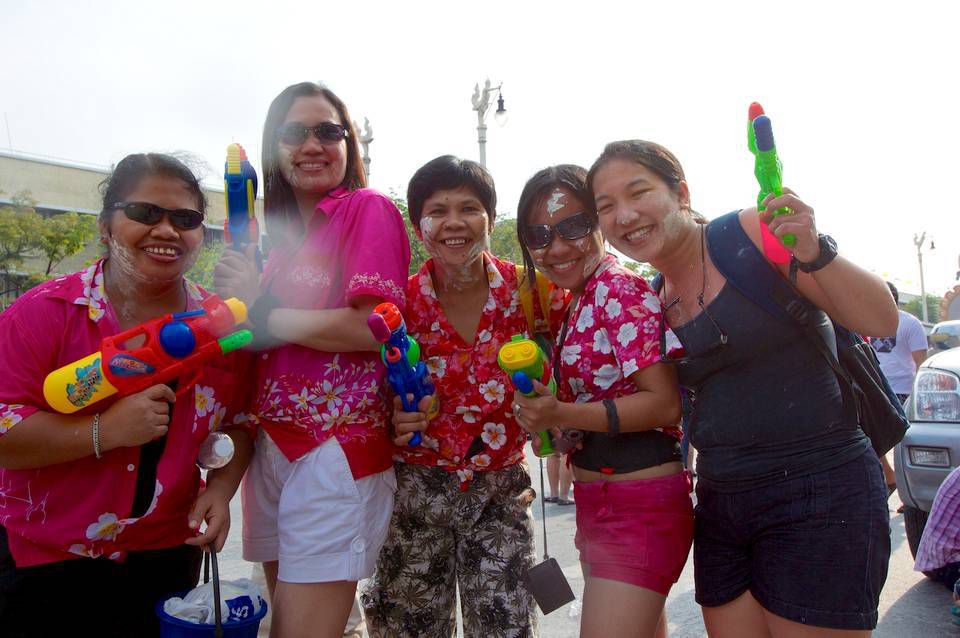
(318, 496)
(101, 509)
(900, 355)
(559, 477)
(462, 515)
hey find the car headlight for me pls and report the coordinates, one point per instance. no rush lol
(936, 395)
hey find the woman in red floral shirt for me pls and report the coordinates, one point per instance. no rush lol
(462, 505)
(634, 515)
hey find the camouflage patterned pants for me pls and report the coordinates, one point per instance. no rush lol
(440, 537)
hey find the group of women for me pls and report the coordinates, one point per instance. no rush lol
(101, 511)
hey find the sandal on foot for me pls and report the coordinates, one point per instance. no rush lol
(564, 501)
(550, 499)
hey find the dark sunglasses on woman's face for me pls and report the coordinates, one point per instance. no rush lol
(151, 214)
(576, 226)
(295, 133)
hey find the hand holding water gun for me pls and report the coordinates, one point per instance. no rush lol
(240, 193)
(769, 173)
(175, 346)
(524, 361)
(406, 373)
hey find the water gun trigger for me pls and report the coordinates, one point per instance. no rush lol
(523, 383)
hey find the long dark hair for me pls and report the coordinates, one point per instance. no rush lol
(568, 176)
(279, 202)
(128, 172)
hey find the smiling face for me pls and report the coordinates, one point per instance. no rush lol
(568, 263)
(455, 227)
(312, 168)
(639, 213)
(159, 253)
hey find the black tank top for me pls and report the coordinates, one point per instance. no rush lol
(766, 406)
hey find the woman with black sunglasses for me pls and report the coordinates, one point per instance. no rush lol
(792, 529)
(319, 494)
(634, 515)
(101, 509)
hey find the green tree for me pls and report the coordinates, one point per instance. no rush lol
(64, 235)
(503, 240)
(646, 271)
(202, 271)
(20, 228)
(418, 254)
(933, 308)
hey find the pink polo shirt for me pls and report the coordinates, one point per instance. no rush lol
(82, 507)
(355, 245)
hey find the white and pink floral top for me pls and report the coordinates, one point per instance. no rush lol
(82, 508)
(612, 332)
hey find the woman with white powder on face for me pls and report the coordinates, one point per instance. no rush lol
(462, 515)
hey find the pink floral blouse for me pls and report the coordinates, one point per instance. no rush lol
(82, 508)
(474, 393)
(612, 332)
(355, 245)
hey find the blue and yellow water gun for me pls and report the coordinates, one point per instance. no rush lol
(240, 192)
(406, 373)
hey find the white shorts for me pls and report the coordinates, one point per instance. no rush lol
(312, 516)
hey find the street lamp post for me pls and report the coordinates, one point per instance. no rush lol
(918, 242)
(481, 101)
(365, 138)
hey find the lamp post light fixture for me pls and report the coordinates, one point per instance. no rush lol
(365, 138)
(918, 242)
(481, 102)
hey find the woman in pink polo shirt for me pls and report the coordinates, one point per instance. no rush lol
(319, 493)
(96, 506)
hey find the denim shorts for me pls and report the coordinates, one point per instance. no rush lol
(812, 549)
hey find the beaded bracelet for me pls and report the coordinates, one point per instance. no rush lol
(96, 436)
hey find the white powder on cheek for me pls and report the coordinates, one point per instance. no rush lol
(673, 224)
(286, 166)
(556, 201)
(426, 226)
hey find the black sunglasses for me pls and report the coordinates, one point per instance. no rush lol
(151, 214)
(717, 346)
(295, 133)
(574, 227)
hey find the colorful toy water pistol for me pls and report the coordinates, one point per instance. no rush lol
(768, 170)
(401, 354)
(240, 193)
(523, 360)
(175, 347)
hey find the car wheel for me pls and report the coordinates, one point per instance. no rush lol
(914, 520)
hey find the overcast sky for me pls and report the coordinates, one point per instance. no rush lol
(862, 95)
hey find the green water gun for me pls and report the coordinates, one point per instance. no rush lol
(767, 167)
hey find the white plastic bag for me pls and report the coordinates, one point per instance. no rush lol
(239, 600)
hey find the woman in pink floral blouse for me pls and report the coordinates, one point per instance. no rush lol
(319, 493)
(96, 506)
(634, 514)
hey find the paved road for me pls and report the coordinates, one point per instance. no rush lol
(910, 605)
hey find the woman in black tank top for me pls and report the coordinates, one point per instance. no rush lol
(792, 524)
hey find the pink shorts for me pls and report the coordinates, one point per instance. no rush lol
(637, 532)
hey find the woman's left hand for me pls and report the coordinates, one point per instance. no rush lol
(801, 223)
(212, 507)
(536, 413)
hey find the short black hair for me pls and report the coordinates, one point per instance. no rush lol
(129, 171)
(894, 292)
(449, 172)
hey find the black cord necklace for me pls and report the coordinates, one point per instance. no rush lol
(703, 273)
